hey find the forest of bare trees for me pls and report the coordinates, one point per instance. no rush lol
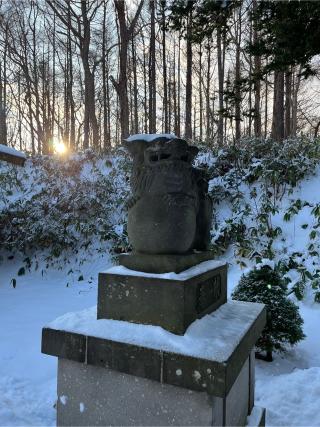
(91, 72)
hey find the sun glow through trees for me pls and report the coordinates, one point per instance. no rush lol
(59, 146)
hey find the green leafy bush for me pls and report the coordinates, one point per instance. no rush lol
(284, 323)
(55, 206)
(250, 185)
(60, 205)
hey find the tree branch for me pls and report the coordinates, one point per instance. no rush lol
(135, 19)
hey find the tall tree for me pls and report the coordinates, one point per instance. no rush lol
(207, 18)
(3, 86)
(257, 77)
(105, 84)
(121, 85)
(280, 26)
(221, 61)
(80, 25)
(164, 67)
(278, 106)
(152, 70)
(188, 110)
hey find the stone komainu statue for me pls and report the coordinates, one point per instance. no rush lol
(170, 211)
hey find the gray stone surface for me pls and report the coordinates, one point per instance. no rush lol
(232, 410)
(237, 400)
(172, 304)
(212, 371)
(89, 395)
(170, 211)
(92, 396)
(163, 263)
(251, 379)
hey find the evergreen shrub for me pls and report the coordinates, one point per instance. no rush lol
(284, 323)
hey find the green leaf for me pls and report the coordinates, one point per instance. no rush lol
(287, 217)
(317, 297)
(314, 253)
(309, 275)
(313, 234)
(22, 271)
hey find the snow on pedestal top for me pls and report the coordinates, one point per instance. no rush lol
(214, 337)
(184, 275)
(11, 151)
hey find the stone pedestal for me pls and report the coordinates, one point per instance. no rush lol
(163, 263)
(170, 300)
(164, 346)
(120, 373)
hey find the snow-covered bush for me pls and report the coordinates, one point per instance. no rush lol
(254, 187)
(284, 323)
(57, 205)
(262, 211)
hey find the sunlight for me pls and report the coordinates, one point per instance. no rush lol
(59, 146)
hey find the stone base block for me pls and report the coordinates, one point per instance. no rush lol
(163, 263)
(120, 373)
(94, 396)
(171, 300)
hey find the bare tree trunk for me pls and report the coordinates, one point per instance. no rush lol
(152, 71)
(29, 104)
(105, 85)
(200, 95)
(3, 95)
(208, 79)
(130, 92)
(237, 85)
(257, 82)
(164, 67)
(135, 88)
(266, 104)
(72, 135)
(179, 90)
(295, 90)
(173, 96)
(82, 31)
(89, 94)
(170, 104)
(237, 78)
(251, 89)
(194, 127)
(66, 109)
(288, 105)
(19, 113)
(188, 113)
(35, 79)
(53, 112)
(278, 107)
(221, 82)
(145, 102)
(125, 31)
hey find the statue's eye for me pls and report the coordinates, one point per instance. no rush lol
(153, 158)
(164, 156)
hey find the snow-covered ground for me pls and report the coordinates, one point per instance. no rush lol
(27, 377)
(289, 387)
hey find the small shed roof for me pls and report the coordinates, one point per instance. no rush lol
(12, 155)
